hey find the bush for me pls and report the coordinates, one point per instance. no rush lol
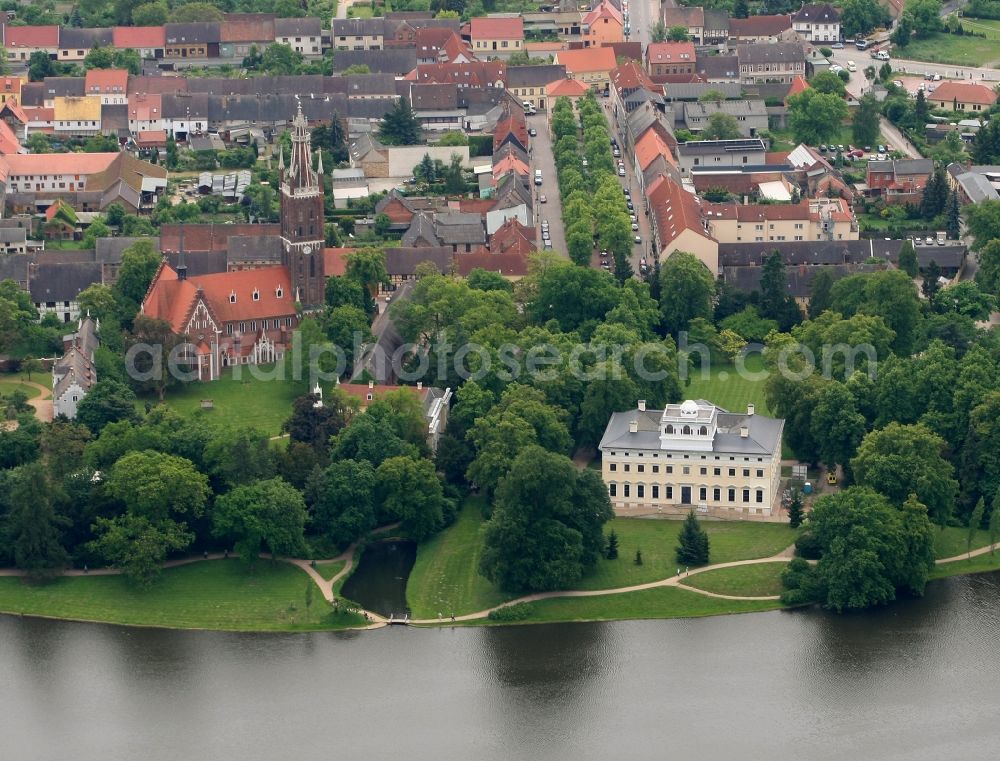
(807, 546)
(825, 52)
(519, 611)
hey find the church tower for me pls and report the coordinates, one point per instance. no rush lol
(302, 217)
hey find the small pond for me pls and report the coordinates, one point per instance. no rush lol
(379, 583)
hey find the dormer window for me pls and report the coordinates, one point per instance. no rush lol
(232, 297)
(256, 295)
(278, 292)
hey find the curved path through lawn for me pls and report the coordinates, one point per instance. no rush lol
(42, 403)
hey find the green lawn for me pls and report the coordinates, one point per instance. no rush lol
(961, 51)
(8, 387)
(953, 540)
(244, 402)
(331, 569)
(728, 540)
(662, 602)
(218, 594)
(42, 378)
(978, 564)
(727, 388)
(745, 580)
(445, 578)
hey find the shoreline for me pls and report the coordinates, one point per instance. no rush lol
(759, 605)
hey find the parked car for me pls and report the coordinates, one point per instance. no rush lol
(937, 77)
(638, 239)
(929, 240)
(621, 171)
(533, 132)
(635, 228)
(851, 66)
(837, 46)
(897, 82)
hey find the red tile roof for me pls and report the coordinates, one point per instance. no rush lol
(964, 93)
(631, 76)
(15, 110)
(482, 28)
(31, 37)
(604, 10)
(759, 26)
(247, 27)
(566, 88)
(514, 237)
(674, 210)
(670, 52)
(335, 261)
(39, 114)
(361, 391)
(10, 85)
(798, 85)
(587, 60)
(649, 147)
(151, 138)
(145, 108)
(105, 81)
(139, 37)
(472, 74)
(59, 163)
(8, 140)
(208, 237)
(173, 300)
(508, 264)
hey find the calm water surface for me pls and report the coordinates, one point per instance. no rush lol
(379, 583)
(919, 680)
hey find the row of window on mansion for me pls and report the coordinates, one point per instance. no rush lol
(244, 327)
(639, 492)
(686, 470)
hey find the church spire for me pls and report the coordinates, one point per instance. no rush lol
(281, 157)
(319, 161)
(300, 171)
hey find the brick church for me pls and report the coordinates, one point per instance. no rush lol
(248, 316)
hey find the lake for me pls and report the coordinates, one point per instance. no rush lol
(917, 680)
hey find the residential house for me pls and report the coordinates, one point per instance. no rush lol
(197, 40)
(75, 44)
(149, 41)
(145, 113)
(627, 80)
(240, 32)
(975, 184)
(654, 158)
(401, 209)
(496, 36)
(750, 115)
(960, 96)
(528, 83)
(818, 22)
(460, 231)
(592, 66)
(693, 454)
(810, 219)
(436, 107)
(603, 25)
(77, 117)
(303, 35)
(719, 69)
(779, 62)
(899, 181)
(61, 222)
(55, 287)
(358, 34)
(401, 262)
(513, 236)
(74, 374)
(566, 23)
(434, 403)
(678, 224)
(512, 265)
(110, 85)
(370, 155)
(22, 41)
(716, 27)
(759, 28)
(574, 89)
(397, 61)
(441, 45)
(692, 19)
(720, 153)
(670, 58)
(10, 89)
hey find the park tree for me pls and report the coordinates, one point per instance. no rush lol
(975, 523)
(262, 516)
(965, 298)
(408, 489)
(721, 126)
(741, 9)
(153, 360)
(819, 292)
(488, 280)
(980, 469)
(315, 425)
(924, 16)
(860, 17)
(686, 291)
(837, 426)
(692, 543)
(148, 14)
(571, 295)
(239, 456)
(158, 486)
(994, 525)
(865, 125)
(868, 549)
(986, 146)
(921, 111)
(900, 460)
(347, 291)
(367, 266)
(138, 545)
(399, 125)
(108, 401)
(139, 263)
(342, 500)
(776, 303)
(454, 176)
(829, 83)
(816, 117)
(795, 511)
(195, 12)
(544, 539)
(903, 32)
(890, 295)
(365, 438)
(32, 527)
(611, 551)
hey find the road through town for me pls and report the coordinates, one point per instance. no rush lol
(543, 158)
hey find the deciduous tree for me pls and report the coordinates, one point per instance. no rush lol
(263, 516)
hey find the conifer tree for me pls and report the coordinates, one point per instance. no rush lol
(795, 512)
(692, 547)
(611, 553)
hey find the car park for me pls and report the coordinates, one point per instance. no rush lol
(929, 240)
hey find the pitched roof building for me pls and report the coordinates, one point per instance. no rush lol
(74, 374)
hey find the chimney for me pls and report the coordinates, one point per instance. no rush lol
(744, 432)
(633, 426)
(751, 408)
(642, 405)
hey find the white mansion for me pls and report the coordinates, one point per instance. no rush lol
(694, 454)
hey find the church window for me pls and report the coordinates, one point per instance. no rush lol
(670, 430)
(687, 430)
(229, 329)
(253, 326)
(703, 431)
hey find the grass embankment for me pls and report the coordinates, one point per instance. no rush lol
(741, 581)
(978, 564)
(215, 594)
(954, 540)
(961, 51)
(662, 602)
(243, 402)
(445, 577)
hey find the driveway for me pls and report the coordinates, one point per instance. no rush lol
(542, 158)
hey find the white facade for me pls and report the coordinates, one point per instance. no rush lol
(66, 403)
(303, 45)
